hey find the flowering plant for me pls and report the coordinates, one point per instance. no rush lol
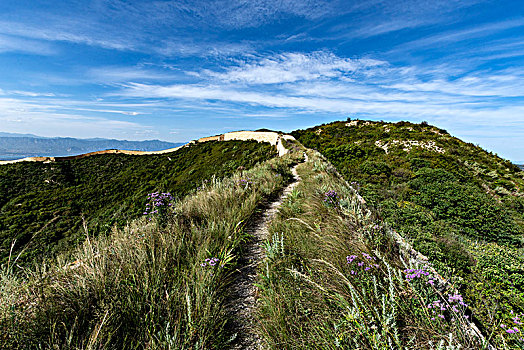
(331, 198)
(158, 203)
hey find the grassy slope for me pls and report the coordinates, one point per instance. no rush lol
(313, 297)
(42, 205)
(144, 286)
(463, 208)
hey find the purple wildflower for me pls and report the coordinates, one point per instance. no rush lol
(331, 197)
(415, 273)
(158, 201)
(245, 182)
(350, 258)
(210, 262)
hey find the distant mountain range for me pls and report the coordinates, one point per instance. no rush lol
(15, 146)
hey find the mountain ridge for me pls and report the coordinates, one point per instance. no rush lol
(18, 146)
(272, 137)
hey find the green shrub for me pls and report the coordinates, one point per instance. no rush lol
(456, 256)
(345, 153)
(375, 171)
(472, 212)
(426, 176)
(375, 168)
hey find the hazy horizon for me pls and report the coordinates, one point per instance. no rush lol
(81, 138)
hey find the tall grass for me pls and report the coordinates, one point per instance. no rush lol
(334, 278)
(147, 286)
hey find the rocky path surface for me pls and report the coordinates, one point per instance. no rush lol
(242, 304)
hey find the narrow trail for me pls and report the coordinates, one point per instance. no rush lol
(242, 304)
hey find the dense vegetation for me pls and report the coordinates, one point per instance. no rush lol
(44, 206)
(158, 284)
(461, 206)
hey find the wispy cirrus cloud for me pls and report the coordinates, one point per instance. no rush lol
(324, 82)
(235, 14)
(386, 27)
(293, 67)
(135, 25)
(369, 19)
(443, 113)
(31, 93)
(26, 93)
(183, 47)
(50, 119)
(70, 31)
(10, 43)
(118, 74)
(35, 39)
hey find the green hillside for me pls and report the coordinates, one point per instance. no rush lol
(147, 284)
(458, 204)
(331, 271)
(44, 206)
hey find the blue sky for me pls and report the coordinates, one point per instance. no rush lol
(178, 70)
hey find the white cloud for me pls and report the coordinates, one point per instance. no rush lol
(112, 111)
(37, 39)
(371, 29)
(46, 119)
(14, 44)
(65, 32)
(486, 85)
(322, 82)
(111, 75)
(186, 48)
(30, 93)
(235, 14)
(401, 108)
(293, 67)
